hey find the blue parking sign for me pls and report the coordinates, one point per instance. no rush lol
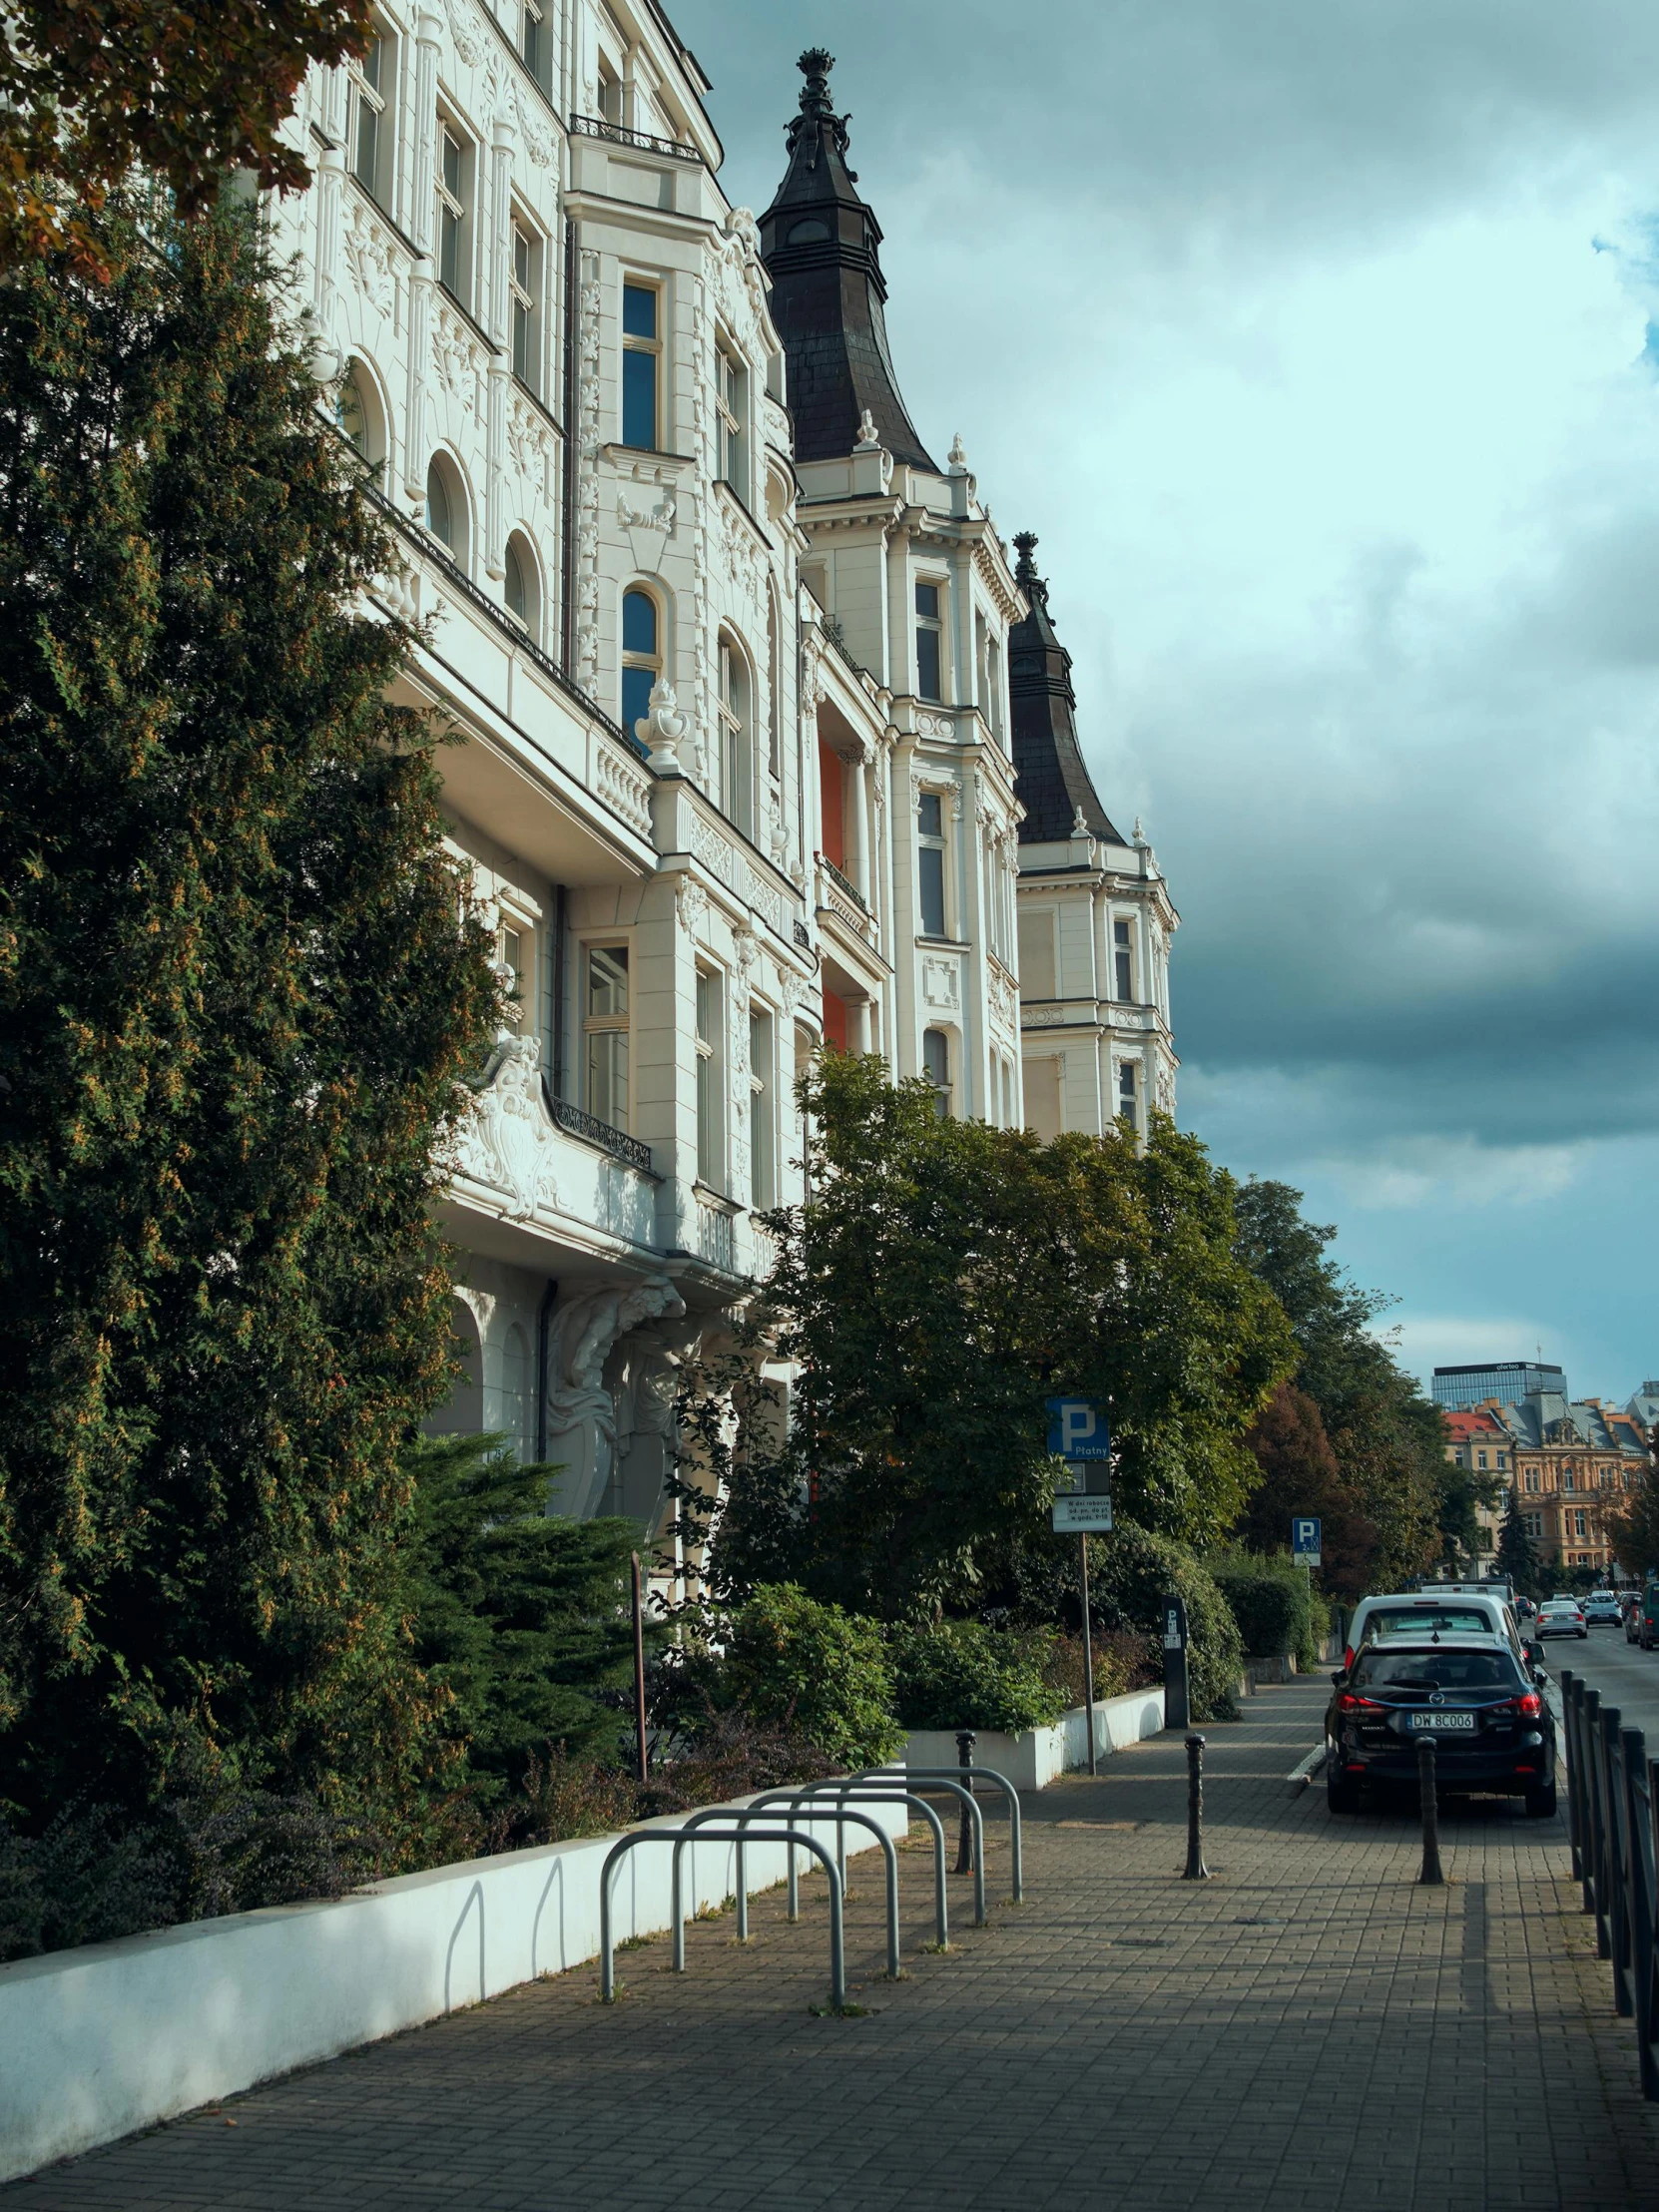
(1304, 1541)
(1077, 1428)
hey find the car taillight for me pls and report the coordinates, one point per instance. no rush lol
(1529, 1705)
(1349, 1703)
(1347, 1660)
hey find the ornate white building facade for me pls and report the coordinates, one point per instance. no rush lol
(726, 651)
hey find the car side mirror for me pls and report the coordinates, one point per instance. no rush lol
(1533, 1652)
(1340, 1675)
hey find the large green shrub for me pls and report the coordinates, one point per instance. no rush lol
(1275, 1605)
(1130, 1573)
(962, 1674)
(815, 1670)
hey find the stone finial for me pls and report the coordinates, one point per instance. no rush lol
(1140, 833)
(957, 457)
(869, 437)
(663, 728)
(1025, 544)
(1079, 825)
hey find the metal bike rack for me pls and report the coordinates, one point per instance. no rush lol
(740, 1835)
(806, 1792)
(694, 1828)
(958, 1775)
(882, 1785)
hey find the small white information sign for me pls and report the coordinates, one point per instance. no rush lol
(1082, 1512)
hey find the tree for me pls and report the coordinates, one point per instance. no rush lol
(1388, 1438)
(1633, 1526)
(519, 1616)
(1301, 1474)
(89, 89)
(943, 1278)
(238, 987)
(1517, 1555)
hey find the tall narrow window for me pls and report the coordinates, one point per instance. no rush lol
(518, 1398)
(511, 952)
(928, 632)
(453, 166)
(610, 93)
(993, 685)
(1123, 962)
(521, 583)
(642, 661)
(447, 506)
(729, 398)
(708, 1070)
(935, 1065)
(930, 863)
(735, 774)
(640, 352)
(605, 1032)
(368, 118)
(1127, 1103)
(535, 43)
(762, 1104)
(775, 691)
(524, 282)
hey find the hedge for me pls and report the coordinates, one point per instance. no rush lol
(1277, 1609)
(1131, 1571)
(959, 1674)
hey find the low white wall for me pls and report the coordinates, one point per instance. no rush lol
(1036, 1755)
(110, 2037)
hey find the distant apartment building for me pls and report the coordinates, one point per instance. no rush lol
(1569, 1462)
(1477, 1438)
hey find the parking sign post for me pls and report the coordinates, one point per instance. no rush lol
(1079, 1434)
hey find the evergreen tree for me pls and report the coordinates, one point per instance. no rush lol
(520, 1616)
(238, 986)
(1517, 1556)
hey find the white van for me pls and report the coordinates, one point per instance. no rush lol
(1458, 1609)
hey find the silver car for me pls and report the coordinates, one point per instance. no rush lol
(1560, 1616)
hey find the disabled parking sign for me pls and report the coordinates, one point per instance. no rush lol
(1304, 1543)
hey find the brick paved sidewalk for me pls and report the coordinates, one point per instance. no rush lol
(1307, 2029)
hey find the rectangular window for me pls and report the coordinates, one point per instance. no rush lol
(1039, 978)
(1481, 1459)
(610, 93)
(454, 167)
(1123, 963)
(641, 354)
(928, 631)
(1566, 1478)
(1533, 1523)
(728, 418)
(369, 117)
(930, 863)
(1580, 1524)
(762, 1105)
(1127, 1106)
(525, 286)
(605, 1032)
(1532, 1479)
(708, 1077)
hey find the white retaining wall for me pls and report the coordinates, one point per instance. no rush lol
(97, 2041)
(1036, 1755)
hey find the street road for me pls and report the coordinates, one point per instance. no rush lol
(1626, 1676)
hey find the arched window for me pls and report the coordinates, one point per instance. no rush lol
(359, 411)
(521, 584)
(734, 765)
(447, 514)
(935, 1065)
(642, 654)
(463, 1413)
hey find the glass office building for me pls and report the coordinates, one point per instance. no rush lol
(1510, 1381)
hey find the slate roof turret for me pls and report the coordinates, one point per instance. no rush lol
(1052, 783)
(821, 240)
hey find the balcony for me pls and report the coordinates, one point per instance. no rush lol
(843, 902)
(715, 1241)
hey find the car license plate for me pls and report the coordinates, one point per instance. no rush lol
(1462, 1723)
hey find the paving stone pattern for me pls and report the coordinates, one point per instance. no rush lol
(1309, 2028)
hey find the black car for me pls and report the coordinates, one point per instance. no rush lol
(1491, 1729)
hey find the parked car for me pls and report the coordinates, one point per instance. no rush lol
(1643, 1625)
(1560, 1616)
(1468, 1611)
(1601, 1609)
(1491, 1729)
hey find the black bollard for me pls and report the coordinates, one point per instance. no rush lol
(966, 1741)
(1430, 1874)
(1197, 1871)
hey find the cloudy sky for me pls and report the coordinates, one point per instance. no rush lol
(1312, 337)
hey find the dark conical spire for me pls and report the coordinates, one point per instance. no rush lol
(1050, 780)
(820, 240)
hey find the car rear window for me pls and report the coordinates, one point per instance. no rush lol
(1417, 1621)
(1433, 1670)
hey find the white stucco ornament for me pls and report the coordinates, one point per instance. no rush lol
(663, 728)
(957, 457)
(506, 1141)
(869, 437)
